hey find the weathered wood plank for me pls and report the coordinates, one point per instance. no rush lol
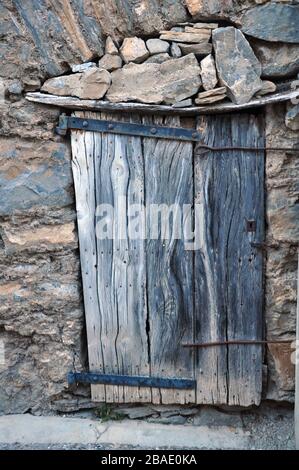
(98, 105)
(84, 181)
(245, 274)
(209, 321)
(169, 181)
(228, 271)
(140, 294)
(120, 292)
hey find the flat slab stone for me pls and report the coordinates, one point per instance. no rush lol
(206, 32)
(91, 84)
(238, 68)
(205, 25)
(174, 80)
(210, 99)
(197, 49)
(193, 37)
(272, 22)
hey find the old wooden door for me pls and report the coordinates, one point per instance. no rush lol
(149, 296)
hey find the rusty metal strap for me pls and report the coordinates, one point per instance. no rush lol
(237, 341)
(143, 130)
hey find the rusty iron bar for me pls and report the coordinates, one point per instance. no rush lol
(237, 341)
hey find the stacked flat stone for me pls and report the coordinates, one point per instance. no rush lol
(192, 63)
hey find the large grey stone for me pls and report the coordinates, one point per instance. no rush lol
(134, 50)
(157, 46)
(208, 73)
(53, 36)
(91, 84)
(27, 181)
(121, 18)
(172, 81)
(238, 68)
(272, 22)
(278, 60)
(220, 9)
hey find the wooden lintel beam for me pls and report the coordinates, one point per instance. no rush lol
(99, 105)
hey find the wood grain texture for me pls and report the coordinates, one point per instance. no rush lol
(228, 271)
(146, 296)
(116, 318)
(169, 182)
(98, 105)
(84, 181)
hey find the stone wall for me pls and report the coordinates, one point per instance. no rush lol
(41, 309)
(282, 190)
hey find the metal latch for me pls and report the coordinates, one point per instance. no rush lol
(250, 225)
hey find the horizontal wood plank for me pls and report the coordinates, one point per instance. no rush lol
(99, 105)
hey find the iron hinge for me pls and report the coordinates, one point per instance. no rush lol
(133, 381)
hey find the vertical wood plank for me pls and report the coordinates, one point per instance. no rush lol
(209, 305)
(229, 188)
(168, 181)
(245, 294)
(84, 182)
(119, 287)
